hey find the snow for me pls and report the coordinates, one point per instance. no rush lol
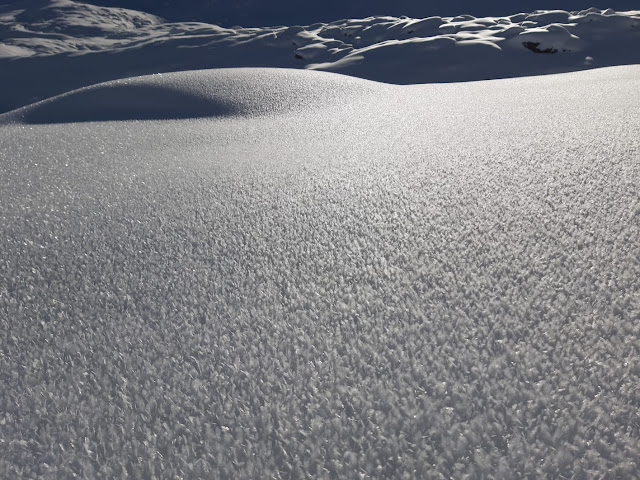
(248, 272)
(328, 277)
(80, 45)
(193, 94)
(256, 13)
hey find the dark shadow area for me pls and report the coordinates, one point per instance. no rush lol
(534, 47)
(126, 102)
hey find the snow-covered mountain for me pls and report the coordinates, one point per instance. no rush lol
(258, 13)
(79, 44)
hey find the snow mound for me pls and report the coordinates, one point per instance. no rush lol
(194, 94)
(549, 39)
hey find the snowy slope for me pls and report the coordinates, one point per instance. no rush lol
(257, 13)
(330, 278)
(76, 45)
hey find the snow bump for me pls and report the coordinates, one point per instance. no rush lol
(194, 94)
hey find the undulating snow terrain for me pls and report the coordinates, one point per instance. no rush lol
(257, 13)
(76, 44)
(268, 273)
(288, 273)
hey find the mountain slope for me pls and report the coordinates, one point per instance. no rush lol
(255, 13)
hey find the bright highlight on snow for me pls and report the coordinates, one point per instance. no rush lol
(293, 273)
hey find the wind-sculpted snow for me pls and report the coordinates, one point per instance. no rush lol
(78, 45)
(193, 94)
(424, 281)
(257, 13)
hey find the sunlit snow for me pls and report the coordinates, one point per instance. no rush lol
(293, 273)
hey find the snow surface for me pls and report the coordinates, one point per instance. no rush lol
(76, 44)
(194, 94)
(258, 13)
(422, 281)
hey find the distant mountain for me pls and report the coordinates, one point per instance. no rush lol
(250, 13)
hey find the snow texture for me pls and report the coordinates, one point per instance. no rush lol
(422, 281)
(77, 44)
(194, 94)
(257, 13)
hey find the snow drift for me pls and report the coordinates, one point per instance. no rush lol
(256, 13)
(193, 94)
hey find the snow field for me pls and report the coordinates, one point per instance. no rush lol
(437, 282)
